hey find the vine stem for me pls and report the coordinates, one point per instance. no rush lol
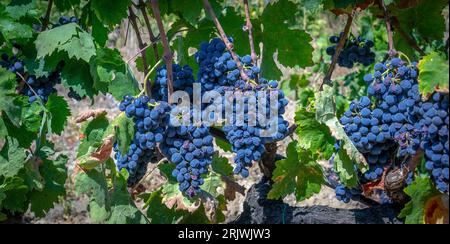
(146, 86)
(163, 160)
(387, 20)
(224, 38)
(339, 48)
(168, 56)
(409, 39)
(46, 19)
(249, 28)
(140, 51)
(132, 17)
(153, 39)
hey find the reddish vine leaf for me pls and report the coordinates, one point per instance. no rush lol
(99, 156)
(436, 210)
(90, 114)
(298, 174)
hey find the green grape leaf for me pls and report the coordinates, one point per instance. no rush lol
(69, 38)
(99, 31)
(224, 145)
(312, 135)
(213, 182)
(76, 75)
(12, 158)
(294, 49)
(298, 174)
(124, 131)
(221, 166)
(23, 136)
(111, 12)
(151, 59)
(14, 30)
(16, 195)
(344, 167)
(433, 74)
(166, 170)
(171, 193)
(123, 210)
(158, 212)
(109, 74)
(92, 132)
(197, 217)
(326, 114)
(21, 9)
(426, 17)
(103, 67)
(29, 112)
(54, 174)
(122, 85)
(64, 5)
(420, 191)
(3, 130)
(9, 102)
(59, 111)
(93, 183)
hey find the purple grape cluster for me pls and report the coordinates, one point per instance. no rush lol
(150, 119)
(183, 80)
(191, 149)
(356, 50)
(36, 88)
(219, 72)
(394, 122)
(435, 141)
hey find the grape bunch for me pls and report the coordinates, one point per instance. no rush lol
(219, 72)
(217, 68)
(369, 134)
(183, 80)
(150, 118)
(64, 20)
(435, 141)
(393, 122)
(398, 97)
(355, 50)
(36, 88)
(343, 193)
(191, 149)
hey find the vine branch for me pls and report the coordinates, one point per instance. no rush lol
(339, 48)
(46, 19)
(387, 20)
(224, 38)
(153, 39)
(249, 28)
(132, 17)
(168, 56)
